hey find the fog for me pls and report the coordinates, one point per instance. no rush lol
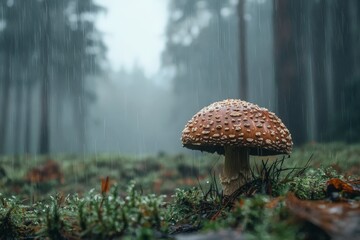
(132, 114)
(125, 76)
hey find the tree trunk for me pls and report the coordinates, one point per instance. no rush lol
(242, 51)
(342, 66)
(330, 91)
(44, 141)
(28, 121)
(354, 18)
(289, 66)
(18, 117)
(318, 30)
(5, 101)
(80, 111)
(308, 59)
(80, 105)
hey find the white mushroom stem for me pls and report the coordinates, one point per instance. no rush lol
(236, 169)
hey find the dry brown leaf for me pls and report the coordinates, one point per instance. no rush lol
(337, 185)
(49, 170)
(341, 220)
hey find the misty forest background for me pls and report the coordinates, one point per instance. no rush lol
(300, 59)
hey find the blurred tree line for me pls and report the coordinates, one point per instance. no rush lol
(48, 50)
(201, 51)
(315, 55)
(317, 59)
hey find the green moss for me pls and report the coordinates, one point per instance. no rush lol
(183, 207)
(256, 220)
(105, 217)
(312, 184)
(94, 216)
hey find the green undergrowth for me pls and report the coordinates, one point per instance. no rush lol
(255, 219)
(93, 216)
(138, 216)
(161, 196)
(135, 215)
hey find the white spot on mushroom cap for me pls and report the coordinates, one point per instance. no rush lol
(235, 114)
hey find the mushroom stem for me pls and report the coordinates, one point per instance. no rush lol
(236, 169)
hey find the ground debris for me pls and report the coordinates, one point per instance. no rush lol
(338, 188)
(274, 202)
(341, 220)
(47, 171)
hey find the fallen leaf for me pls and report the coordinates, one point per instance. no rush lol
(49, 170)
(346, 189)
(341, 220)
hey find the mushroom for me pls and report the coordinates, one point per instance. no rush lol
(236, 129)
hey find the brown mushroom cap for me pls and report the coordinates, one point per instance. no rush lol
(233, 122)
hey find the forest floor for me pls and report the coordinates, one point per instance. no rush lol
(314, 194)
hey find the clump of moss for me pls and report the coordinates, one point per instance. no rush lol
(255, 217)
(11, 218)
(188, 210)
(312, 184)
(9, 228)
(106, 217)
(184, 203)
